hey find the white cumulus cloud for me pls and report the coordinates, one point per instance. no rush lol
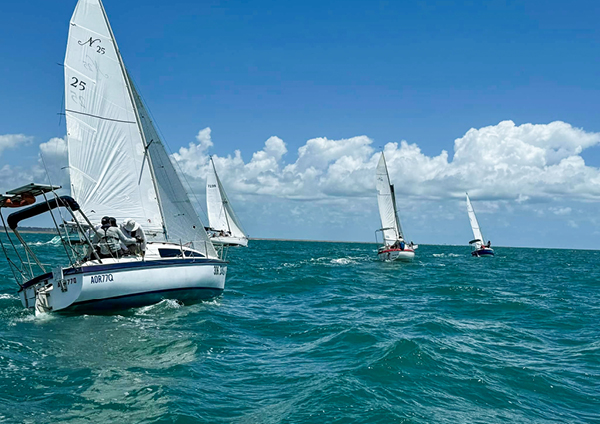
(53, 163)
(53, 153)
(561, 211)
(11, 141)
(505, 161)
(325, 188)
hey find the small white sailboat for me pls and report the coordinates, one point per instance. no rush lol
(480, 248)
(394, 246)
(119, 168)
(225, 227)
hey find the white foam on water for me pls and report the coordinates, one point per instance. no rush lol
(342, 261)
(215, 302)
(169, 303)
(56, 240)
(446, 255)
(41, 317)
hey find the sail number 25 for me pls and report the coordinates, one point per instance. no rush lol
(77, 83)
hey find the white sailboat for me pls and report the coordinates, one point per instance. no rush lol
(225, 227)
(478, 242)
(119, 168)
(394, 247)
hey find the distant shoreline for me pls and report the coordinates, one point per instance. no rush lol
(32, 230)
(311, 241)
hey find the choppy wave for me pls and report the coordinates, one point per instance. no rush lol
(54, 241)
(324, 333)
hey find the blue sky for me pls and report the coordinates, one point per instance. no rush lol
(425, 72)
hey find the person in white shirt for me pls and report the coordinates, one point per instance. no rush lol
(134, 230)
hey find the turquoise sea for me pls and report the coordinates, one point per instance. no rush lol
(324, 333)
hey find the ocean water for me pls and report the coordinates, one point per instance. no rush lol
(322, 332)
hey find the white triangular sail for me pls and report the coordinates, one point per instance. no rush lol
(118, 164)
(105, 143)
(386, 199)
(181, 221)
(220, 213)
(474, 224)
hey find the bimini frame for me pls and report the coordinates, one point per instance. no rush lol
(26, 195)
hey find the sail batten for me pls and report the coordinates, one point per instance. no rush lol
(110, 139)
(105, 145)
(477, 236)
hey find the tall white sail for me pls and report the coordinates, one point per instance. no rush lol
(105, 142)
(387, 204)
(181, 221)
(474, 224)
(220, 213)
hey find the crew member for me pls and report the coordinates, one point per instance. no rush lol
(134, 230)
(108, 239)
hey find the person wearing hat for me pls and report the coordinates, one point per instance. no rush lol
(108, 239)
(132, 229)
(95, 233)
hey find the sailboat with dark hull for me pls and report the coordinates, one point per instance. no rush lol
(118, 167)
(480, 248)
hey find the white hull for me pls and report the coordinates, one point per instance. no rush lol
(406, 255)
(125, 283)
(230, 241)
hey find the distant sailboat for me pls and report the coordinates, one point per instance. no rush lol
(225, 227)
(394, 247)
(478, 242)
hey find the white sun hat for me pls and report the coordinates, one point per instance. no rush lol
(130, 225)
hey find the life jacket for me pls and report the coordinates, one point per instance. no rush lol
(109, 241)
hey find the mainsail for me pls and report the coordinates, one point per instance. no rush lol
(220, 213)
(478, 237)
(115, 169)
(386, 198)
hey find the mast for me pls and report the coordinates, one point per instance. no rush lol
(137, 117)
(223, 200)
(398, 227)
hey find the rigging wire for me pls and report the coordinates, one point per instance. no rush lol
(66, 235)
(10, 261)
(170, 153)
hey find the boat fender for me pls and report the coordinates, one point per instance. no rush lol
(24, 199)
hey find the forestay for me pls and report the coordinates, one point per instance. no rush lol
(387, 204)
(220, 213)
(180, 218)
(105, 145)
(474, 224)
